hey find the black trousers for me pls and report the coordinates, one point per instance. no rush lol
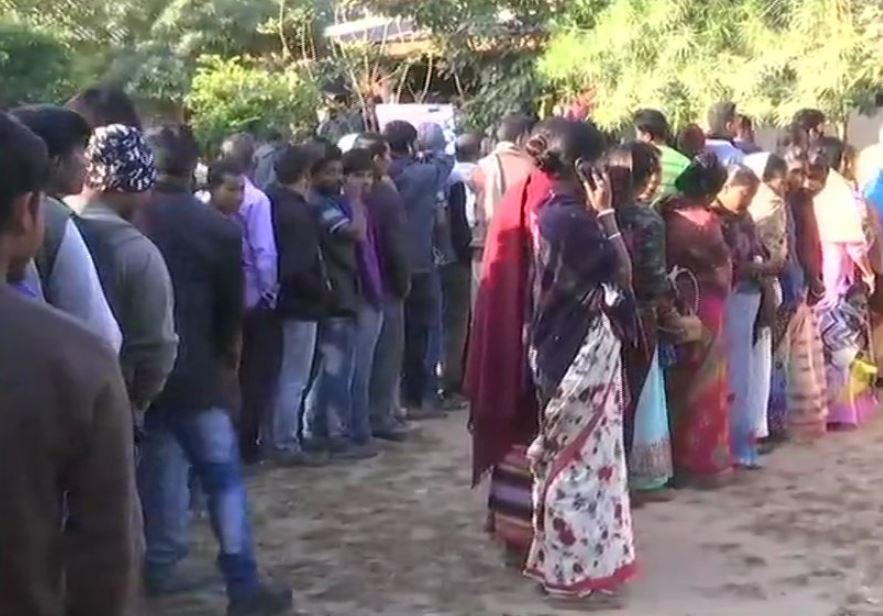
(421, 309)
(258, 375)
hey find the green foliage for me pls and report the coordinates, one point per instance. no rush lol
(35, 66)
(502, 86)
(770, 56)
(237, 94)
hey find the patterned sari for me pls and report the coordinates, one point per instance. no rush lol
(583, 529)
(583, 539)
(696, 377)
(750, 360)
(647, 440)
(850, 377)
(798, 400)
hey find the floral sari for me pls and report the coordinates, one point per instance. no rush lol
(583, 539)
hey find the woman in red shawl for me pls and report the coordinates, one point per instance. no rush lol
(696, 379)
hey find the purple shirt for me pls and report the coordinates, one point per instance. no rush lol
(369, 264)
(259, 256)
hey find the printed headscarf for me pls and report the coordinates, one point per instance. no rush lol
(119, 159)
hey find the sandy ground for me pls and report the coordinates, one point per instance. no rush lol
(402, 535)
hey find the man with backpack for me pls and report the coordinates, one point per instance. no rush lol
(64, 273)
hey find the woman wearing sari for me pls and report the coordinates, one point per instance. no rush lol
(583, 544)
(843, 313)
(770, 216)
(797, 406)
(635, 173)
(504, 415)
(696, 375)
(743, 307)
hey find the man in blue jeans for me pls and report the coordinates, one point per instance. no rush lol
(304, 290)
(187, 425)
(344, 229)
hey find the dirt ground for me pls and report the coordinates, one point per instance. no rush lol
(401, 535)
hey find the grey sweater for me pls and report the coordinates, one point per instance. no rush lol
(138, 288)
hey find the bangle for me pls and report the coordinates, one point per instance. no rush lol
(605, 212)
(614, 236)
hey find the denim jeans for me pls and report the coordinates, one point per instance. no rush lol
(368, 325)
(173, 441)
(329, 403)
(281, 429)
(387, 368)
(421, 316)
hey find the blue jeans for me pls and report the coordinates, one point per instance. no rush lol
(173, 441)
(387, 368)
(329, 403)
(368, 325)
(281, 430)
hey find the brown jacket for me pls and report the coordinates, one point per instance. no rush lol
(65, 444)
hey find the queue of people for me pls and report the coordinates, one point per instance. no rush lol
(621, 319)
(660, 314)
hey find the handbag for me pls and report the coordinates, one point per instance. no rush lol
(681, 325)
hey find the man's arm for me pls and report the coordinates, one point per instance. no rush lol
(441, 165)
(262, 243)
(102, 547)
(74, 288)
(151, 344)
(335, 222)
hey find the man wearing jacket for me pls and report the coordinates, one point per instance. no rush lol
(189, 424)
(66, 435)
(419, 178)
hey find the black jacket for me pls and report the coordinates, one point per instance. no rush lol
(203, 252)
(303, 282)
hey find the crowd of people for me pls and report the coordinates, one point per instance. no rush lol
(620, 319)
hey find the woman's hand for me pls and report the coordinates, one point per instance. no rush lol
(599, 195)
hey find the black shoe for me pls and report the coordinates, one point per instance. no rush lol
(262, 601)
(318, 446)
(177, 580)
(364, 451)
(423, 414)
(289, 459)
(395, 430)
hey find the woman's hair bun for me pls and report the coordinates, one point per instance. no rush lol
(539, 149)
(537, 146)
(703, 178)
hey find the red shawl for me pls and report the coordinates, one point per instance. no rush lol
(498, 382)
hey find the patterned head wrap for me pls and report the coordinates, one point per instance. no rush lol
(119, 159)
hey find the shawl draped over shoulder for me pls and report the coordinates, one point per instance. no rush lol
(498, 380)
